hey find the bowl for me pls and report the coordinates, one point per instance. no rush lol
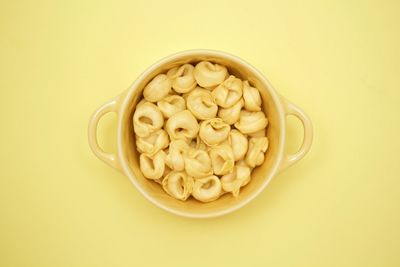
(126, 158)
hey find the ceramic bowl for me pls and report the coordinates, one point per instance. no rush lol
(126, 158)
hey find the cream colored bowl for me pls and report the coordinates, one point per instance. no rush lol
(126, 159)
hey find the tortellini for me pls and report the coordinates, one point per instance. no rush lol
(167, 170)
(229, 92)
(178, 185)
(251, 121)
(239, 144)
(201, 103)
(200, 131)
(183, 125)
(222, 159)
(158, 88)
(198, 163)
(209, 75)
(232, 182)
(153, 143)
(251, 96)
(198, 144)
(214, 131)
(175, 159)
(152, 168)
(182, 78)
(260, 133)
(141, 102)
(147, 119)
(257, 147)
(207, 189)
(231, 115)
(170, 105)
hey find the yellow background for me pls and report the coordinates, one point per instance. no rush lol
(61, 206)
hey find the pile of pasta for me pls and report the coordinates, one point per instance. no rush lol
(200, 131)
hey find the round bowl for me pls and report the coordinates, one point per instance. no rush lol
(126, 158)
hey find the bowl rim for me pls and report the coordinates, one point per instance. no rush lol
(212, 53)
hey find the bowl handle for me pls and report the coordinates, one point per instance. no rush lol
(292, 109)
(109, 158)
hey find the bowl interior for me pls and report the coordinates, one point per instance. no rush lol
(260, 176)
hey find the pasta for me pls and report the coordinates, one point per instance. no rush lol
(232, 182)
(182, 78)
(200, 131)
(170, 105)
(153, 143)
(152, 168)
(251, 96)
(147, 119)
(197, 163)
(231, 115)
(183, 125)
(260, 133)
(178, 185)
(239, 144)
(158, 88)
(174, 158)
(198, 144)
(214, 131)
(207, 189)
(209, 75)
(257, 147)
(229, 92)
(222, 159)
(167, 170)
(140, 103)
(201, 103)
(251, 121)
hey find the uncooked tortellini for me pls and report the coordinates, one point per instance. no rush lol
(200, 131)
(239, 144)
(209, 75)
(231, 115)
(198, 144)
(178, 184)
(255, 154)
(153, 143)
(232, 182)
(229, 92)
(183, 125)
(207, 189)
(147, 119)
(251, 96)
(214, 131)
(152, 168)
(201, 103)
(158, 88)
(197, 163)
(171, 104)
(251, 121)
(260, 133)
(222, 159)
(175, 158)
(182, 78)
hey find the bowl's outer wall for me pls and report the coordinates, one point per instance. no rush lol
(261, 176)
